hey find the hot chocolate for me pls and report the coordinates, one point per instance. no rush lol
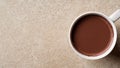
(91, 35)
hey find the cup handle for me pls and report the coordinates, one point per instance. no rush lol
(115, 15)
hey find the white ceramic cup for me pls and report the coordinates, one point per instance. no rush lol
(111, 19)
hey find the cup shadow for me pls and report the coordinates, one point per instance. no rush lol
(116, 51)
(113, 59)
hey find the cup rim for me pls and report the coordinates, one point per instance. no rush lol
(112, 44)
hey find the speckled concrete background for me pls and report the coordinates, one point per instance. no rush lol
(33, 33)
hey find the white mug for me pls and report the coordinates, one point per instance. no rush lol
(111, 19)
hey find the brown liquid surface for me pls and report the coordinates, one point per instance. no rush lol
(92, 35)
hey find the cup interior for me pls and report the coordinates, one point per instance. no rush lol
(111, 45)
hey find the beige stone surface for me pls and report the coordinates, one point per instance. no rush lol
(33, 33)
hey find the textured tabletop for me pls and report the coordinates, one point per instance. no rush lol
(34, 33)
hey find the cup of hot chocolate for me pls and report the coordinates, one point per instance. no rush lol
(93, 35)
